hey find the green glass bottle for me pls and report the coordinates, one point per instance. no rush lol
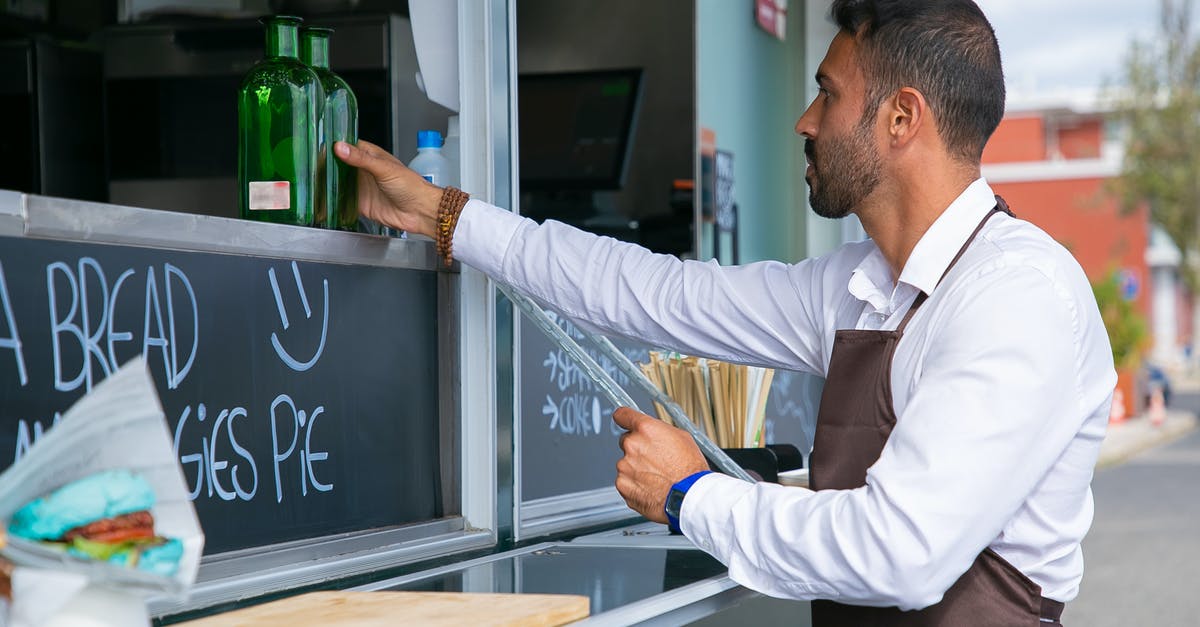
(278, 126)
(337, 199)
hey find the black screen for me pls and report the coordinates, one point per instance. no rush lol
(575, 128)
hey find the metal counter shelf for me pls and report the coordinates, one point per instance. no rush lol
(28, 215)
(638, 575)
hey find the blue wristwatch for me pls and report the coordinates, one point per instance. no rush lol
(675, 499)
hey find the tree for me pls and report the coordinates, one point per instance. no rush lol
(1158, 101)
(1126, 328)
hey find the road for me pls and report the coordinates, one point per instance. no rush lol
(1143, 553)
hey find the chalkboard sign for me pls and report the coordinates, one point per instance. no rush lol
(302, 396)
(568, 438)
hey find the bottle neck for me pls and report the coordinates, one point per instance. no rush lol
(282, 40)
(316, 51)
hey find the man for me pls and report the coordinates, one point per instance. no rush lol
(968, 373)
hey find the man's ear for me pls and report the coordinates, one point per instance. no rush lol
(908, 113)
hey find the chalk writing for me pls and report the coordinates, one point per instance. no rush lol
(299, 420)
(284, 355)
(568, 438)
(208, 464)
(88, 329)
(576, 414)
(12, 341)
(27, 435)
(212, 444)
(580, 409)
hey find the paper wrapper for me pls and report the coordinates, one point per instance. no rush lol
(118, 425)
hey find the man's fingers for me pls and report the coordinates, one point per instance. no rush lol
(628, 418)
(624, 467)
(372, 149)
(364, 156)
(351, 154)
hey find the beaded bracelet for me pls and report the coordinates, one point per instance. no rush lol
(449, 208)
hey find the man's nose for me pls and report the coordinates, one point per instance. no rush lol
(806, 126)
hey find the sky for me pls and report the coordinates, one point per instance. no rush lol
(1053, 46)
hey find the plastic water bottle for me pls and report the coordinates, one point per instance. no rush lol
(450, 152)
(429, 161)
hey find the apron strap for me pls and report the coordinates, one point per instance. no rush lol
(1001, 206)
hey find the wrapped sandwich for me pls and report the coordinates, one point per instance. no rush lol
(104, 516)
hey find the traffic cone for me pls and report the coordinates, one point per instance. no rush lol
(1158, 408)
(1117, 413)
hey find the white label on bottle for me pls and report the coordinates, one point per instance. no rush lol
(429, 177)
(270, 195)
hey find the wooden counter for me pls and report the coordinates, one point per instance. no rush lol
(410, 608)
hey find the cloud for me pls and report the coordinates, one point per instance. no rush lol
(1066, 43)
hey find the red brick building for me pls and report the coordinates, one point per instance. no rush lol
(1052, 167)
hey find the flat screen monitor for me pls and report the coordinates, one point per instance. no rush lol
(576, 128)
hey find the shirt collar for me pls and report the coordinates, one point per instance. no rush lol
(938, 246)
(868, 280)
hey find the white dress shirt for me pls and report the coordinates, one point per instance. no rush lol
(1001, 385)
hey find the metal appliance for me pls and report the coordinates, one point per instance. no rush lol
(50, 101)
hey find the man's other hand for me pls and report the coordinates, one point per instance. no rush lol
(657, 456)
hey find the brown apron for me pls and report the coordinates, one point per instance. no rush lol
(853, 424)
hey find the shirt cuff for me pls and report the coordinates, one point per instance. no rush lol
(707, 513)
(483, 235)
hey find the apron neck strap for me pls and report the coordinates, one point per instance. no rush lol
(1000, 207)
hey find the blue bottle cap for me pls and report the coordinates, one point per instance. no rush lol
(429, 139)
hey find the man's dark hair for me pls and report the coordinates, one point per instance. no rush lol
(946, 49)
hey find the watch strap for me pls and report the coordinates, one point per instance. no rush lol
(679, 490)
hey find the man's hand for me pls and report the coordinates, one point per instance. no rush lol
(390, 193)
(657, 456)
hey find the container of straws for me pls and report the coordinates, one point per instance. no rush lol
(727, 401)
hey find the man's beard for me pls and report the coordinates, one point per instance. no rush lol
(844, 173)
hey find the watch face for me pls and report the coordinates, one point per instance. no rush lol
(674, 502)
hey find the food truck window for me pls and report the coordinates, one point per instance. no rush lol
(576, 133)
(619, 184)
(605, 127)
